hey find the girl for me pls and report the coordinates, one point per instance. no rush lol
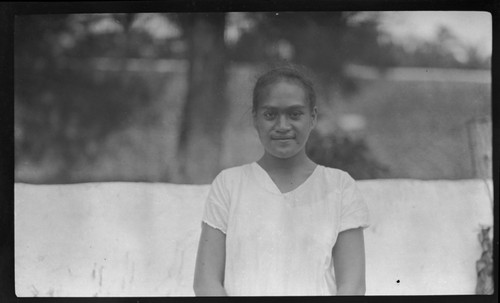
(282, 225)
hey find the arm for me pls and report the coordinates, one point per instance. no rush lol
(349, 262)
(210, 262)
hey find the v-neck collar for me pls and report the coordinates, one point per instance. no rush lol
(265, 180)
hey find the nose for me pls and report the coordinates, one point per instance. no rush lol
(283, 123)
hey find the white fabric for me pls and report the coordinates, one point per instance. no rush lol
(281, 244)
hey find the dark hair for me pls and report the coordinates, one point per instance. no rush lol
(288, 74)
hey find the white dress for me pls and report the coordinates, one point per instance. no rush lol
(281, 243)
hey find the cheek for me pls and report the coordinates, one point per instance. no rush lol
(261, 128)
(306, 130)
(261, 124)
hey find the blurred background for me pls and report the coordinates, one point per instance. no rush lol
(166, 97)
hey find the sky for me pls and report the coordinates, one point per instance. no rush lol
(472, 28)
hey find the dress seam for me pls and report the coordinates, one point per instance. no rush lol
(213, 225)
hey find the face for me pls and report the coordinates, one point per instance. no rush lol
(284, 120)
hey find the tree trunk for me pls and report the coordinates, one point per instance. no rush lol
(205, 109)
(480, 136)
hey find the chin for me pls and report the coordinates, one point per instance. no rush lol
(283, 152)
(283, 155)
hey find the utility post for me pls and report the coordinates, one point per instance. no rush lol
(479, 131)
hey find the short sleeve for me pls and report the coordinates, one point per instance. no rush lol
(216, 210)
(354, 212)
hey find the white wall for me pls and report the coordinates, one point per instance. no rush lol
(140, 239)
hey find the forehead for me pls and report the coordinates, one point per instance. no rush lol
(284, 94)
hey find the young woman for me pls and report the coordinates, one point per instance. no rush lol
(282, 225)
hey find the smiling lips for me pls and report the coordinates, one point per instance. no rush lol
(282, 138)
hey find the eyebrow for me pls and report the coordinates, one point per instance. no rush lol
(288, 107)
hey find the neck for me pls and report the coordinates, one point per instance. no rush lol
(298, 161)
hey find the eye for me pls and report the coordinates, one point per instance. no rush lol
(296, 115)
(268, 115)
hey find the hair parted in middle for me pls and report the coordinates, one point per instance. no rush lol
(283, 73)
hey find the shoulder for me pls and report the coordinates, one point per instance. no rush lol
(235, 170)
(336, 179)
(232, 174)
(335, 174)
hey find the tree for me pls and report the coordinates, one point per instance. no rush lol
(67, 112)
(65, 109)
(323, 41)
(445, 50)
(205, 109)
(62, 111)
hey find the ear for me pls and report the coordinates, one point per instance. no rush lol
(314, 115)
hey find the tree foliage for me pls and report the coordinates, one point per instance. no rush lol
(65, 107)
(445, 51)
(65, 111)
(323, 41)
(339, 150)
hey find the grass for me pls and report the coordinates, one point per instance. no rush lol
(420, 128)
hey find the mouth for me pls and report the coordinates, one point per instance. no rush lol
(282, 138)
